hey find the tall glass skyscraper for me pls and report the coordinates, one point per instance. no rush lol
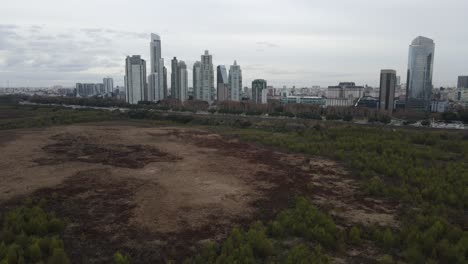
(419, 76)
(156, 80)
(222, 83)
(235, 82)
(207, 78)
(135, 79)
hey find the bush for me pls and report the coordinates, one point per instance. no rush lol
(354, 235)
(348, 118)
(31, 235)
(119, 258)
(426, 123)
(333, 117)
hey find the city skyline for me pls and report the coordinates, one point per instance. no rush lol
(322, 44)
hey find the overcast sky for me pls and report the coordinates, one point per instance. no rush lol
(293, 42)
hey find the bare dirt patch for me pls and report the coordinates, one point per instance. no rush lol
(71, 147)
(156, 192)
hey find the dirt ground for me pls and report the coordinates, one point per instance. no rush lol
(149, 190)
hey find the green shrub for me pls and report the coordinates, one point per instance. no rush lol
(354, 235)
(120, 258)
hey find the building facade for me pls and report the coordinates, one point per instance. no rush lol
(419, 75)
(135, 79)
(388, 80)
(89, 89)
(183, 82)
(235, 82)
(222, 83)
(156, 89)
(207, 78)
(310, 100)
(257, 88)
(462, 82)
(196, 81)
(108, 85)
(174, 78)
(344, 94)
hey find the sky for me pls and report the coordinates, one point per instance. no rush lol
(294, 42)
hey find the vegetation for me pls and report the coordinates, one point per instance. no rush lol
(120, 258)
(426, 171)
(23, 116)
(267, 244)
(31, 235)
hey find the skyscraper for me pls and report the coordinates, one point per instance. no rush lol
(462, 82)
(388, 80)
(108, 84)
(207, 78)
(155, 52)
(235, 82)
(419, 75)
(257, 87)
(197, 84)
(183, 82)
(222, 83)
(174, 77)
(156, 78)
(165, 81)
(135, 79)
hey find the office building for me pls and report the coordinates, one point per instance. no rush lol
(183, 82)
(388, 80)
(310, 100)
(156, 78)
(462, 82)
(174, 78)
(344, 94)
(257, 88)
(165, 82)
(155, 52)
(89, 89)
(419, 75)
(196, 80)
(135, 79)
(222, 83)
(207, 78)
(235, 82)
(108, 85)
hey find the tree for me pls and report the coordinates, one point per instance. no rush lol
(119, 258)
(354, 235)
(58, 257)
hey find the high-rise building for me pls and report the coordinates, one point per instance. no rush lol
(165, 81)
(235, 82)
(388, 80)
(183, 82)
(462, 82)
(155, 52)
(89, 89)
(135, 79)
(257, 88)
(108, 85)
(419, 75)
(222, 83)
(174, 77)
(207, 78)
(156, 80)
(179, 80)
(197, 84)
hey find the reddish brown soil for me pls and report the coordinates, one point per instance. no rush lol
(156, 192)
(84, 149)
